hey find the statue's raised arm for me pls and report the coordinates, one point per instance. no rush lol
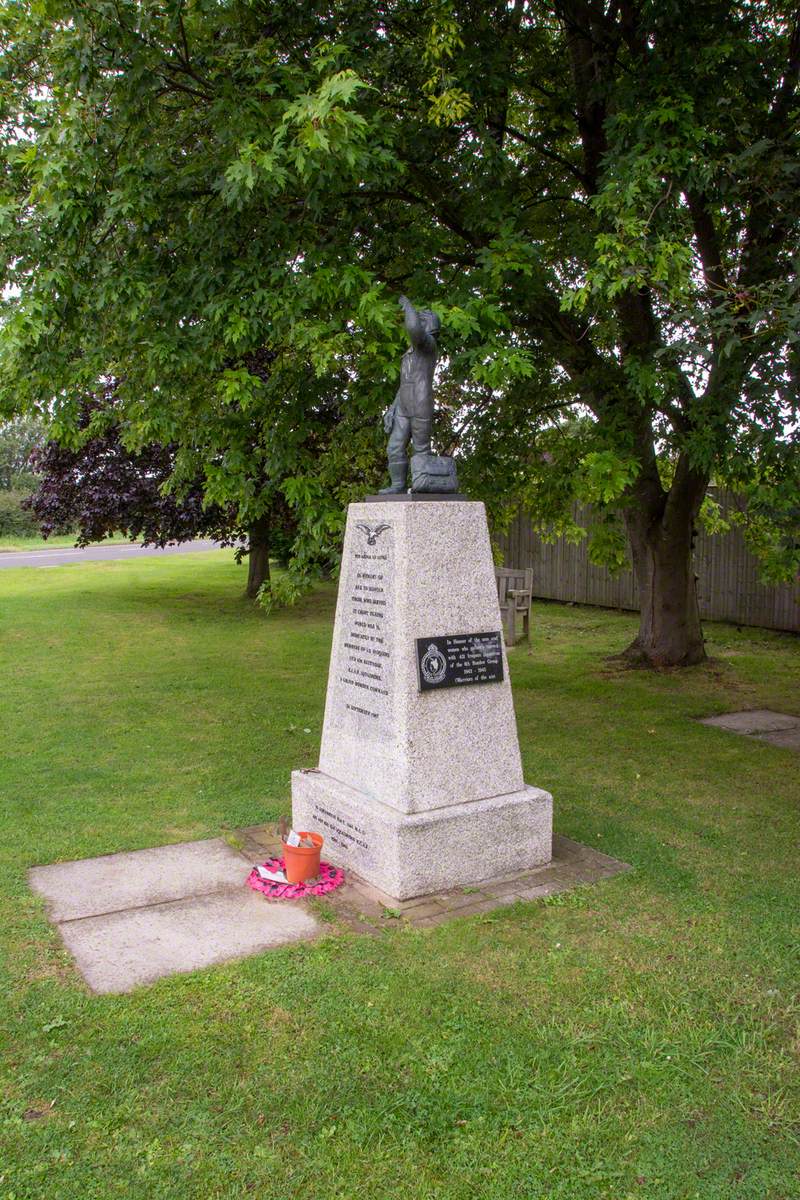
(419, 334)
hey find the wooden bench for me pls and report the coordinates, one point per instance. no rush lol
(515, 592)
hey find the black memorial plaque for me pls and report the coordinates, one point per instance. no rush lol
(459, 658)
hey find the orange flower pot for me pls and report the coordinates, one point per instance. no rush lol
(302, 862)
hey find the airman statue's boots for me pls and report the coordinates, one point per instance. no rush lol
(398, 470)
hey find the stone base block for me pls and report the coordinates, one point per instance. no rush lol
(408, 855)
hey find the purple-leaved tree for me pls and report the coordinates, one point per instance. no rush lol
(101, 487)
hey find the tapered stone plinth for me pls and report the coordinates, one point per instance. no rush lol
(420, 785)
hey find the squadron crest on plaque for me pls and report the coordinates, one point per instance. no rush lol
(433, 665)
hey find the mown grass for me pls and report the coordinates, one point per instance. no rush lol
(635, 1039)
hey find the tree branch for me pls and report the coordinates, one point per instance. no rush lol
(527, 140)
(172, 85)
(765, 228)
(788, 85)
(590, 57)
(705, 233)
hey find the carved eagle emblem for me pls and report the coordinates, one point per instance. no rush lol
(372, 532)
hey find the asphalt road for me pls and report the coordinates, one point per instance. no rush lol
(67, 555)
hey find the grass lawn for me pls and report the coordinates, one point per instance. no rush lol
(635, 1040)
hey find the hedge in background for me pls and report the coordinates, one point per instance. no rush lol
(14, 520)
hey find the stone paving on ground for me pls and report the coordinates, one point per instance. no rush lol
(131, 918)
(362, 906)
(778, 729)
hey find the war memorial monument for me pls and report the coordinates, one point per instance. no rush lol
(419, 786)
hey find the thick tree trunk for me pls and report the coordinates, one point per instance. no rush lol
(258, 556)
(661, 539)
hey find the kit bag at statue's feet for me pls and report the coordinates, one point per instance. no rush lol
(430, 473)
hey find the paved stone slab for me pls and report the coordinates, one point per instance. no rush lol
(756, 721)
(119, 951)
(130, 918)
(136, 878)
(359, 903)
(787, 739)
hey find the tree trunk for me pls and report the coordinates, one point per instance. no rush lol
(258, 556)
(662, 542)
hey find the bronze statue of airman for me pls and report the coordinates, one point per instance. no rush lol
(411, 415)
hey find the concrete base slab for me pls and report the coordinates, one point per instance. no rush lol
(787, 739)
(136, 878)
(755, 722)
(119, 951)
(133, 917)
(779, 729)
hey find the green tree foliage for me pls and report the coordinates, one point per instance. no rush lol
(598, 199)
(19, 439)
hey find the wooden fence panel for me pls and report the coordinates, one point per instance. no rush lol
(728, 586)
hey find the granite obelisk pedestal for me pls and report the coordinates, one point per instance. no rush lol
(419, 786)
